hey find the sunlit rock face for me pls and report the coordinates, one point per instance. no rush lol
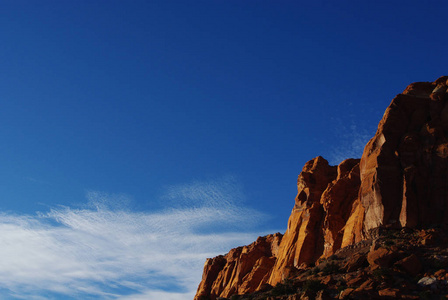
(404, 166)
(400, 181)
(243, 270)
(324, 203)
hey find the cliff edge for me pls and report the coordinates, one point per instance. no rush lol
(401, 181)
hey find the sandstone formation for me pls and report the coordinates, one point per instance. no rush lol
(404, 167)
(400, 181)
(242, 270)
(323, 205)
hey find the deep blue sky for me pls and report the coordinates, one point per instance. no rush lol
(133, 98)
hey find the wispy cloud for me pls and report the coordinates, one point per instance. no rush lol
(107, 251)
(352, 141)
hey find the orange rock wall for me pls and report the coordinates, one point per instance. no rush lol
(242, 270)
(404, 167)
(401, 180)
(316, 228)
(324, 203)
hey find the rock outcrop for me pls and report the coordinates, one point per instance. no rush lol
(400, 181)
(323, 205)
(243, 270)
(404, 167)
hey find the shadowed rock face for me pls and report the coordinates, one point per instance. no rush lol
(400, 181)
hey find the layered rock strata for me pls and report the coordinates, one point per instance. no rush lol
(400, 181)
(243, 270)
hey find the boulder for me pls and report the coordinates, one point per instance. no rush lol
(428, 281)
(381, 257)
(410, 265)
(389, 293)
(355, 262)
(346, 293)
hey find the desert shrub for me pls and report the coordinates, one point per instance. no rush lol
(312, 286)
(331, 268)
(284, 288)
(425, 295)
(315, 270)
(436, 264)
(389, 243)
(381, 274)
(341, 288)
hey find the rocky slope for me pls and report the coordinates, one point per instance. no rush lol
(400, 182)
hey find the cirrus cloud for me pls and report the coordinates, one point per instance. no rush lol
(110, 252)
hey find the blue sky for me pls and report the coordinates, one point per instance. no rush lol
(140, 137)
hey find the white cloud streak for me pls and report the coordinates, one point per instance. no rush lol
(113, 253)
(352, 142)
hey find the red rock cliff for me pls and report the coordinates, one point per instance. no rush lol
(242, 270)
(325, 201)
(400, 181)
(404, 166)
